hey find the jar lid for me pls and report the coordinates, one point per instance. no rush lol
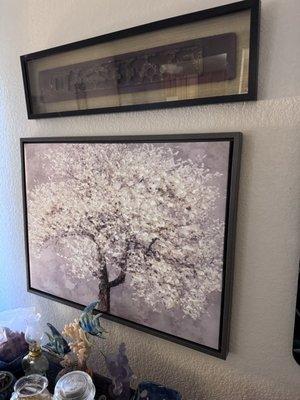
(76, 385)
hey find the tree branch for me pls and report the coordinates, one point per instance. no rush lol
(80, 233)
(149, 248)
(120, 279)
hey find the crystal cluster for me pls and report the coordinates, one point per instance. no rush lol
(14, 346)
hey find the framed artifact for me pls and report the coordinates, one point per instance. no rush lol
(144, 224)
(205, 57)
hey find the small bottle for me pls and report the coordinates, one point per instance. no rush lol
(74, 385)
(35, 361)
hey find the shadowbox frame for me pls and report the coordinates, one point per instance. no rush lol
(235, 140)
(251, 95)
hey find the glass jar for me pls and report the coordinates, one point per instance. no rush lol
(74, 385)
(35, 362)
(31, 387)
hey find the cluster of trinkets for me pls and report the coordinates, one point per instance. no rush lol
(74, 345)
(72, 348)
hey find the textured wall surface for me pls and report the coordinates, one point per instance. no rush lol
(260, 364)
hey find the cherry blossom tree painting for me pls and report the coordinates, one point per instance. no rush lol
(138, 225)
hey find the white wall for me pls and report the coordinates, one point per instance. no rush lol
(260, 364)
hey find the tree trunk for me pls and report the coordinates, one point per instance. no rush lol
(104, 284)
(104, 297)
(104, 287)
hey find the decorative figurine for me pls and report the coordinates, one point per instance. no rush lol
(77, 331)
(59, 352)
(120, 372)
(91, 323)
(80, 344)
(57, 344)
(74, 355)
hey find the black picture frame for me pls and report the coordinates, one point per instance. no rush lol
(296, 340)
(252, 5)
(235, 141)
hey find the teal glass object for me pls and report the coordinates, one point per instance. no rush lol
(90, 323)
(57, 344)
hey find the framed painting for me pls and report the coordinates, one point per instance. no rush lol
(144, 224)
(205, 57)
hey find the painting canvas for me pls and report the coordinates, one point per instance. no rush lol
(139, 224)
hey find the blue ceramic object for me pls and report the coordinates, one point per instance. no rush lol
(57, 344)
(154, 391)
(90, 323)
